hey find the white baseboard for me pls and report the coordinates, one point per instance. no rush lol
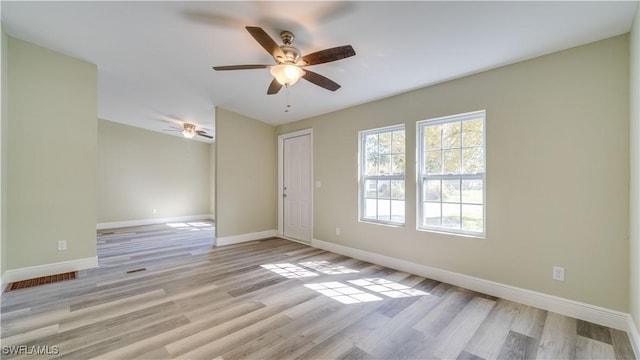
(576, 309)
(236, 239)
(33, 272)
(634, 336)
(141, 222)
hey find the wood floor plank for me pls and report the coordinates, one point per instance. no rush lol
(487, 342)
(558, 339)
(529, 321)
(453, 338)
(197, 301)
(444, 312)
(621, 345)
(518, 347)
(587, 348)
(214, 319)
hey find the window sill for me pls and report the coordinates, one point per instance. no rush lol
(454, 233)
(383, 223)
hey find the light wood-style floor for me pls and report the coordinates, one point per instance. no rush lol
(274, 299)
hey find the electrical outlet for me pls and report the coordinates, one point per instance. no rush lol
(62, 245)
(155, 211)
(558, 273)
(338, 231)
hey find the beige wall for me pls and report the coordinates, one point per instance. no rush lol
(51, 153)
(557, 174)
(246, 181)
(141, 170)
(634, 214)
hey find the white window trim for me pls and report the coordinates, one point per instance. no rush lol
(420, 176)
(361, 176)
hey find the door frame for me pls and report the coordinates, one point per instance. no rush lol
(279, 191)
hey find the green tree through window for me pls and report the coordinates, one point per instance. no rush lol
(452, 173)
(382, 175)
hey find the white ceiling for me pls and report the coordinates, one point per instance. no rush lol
(154, 58)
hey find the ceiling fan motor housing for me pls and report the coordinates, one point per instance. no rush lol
(291, 54)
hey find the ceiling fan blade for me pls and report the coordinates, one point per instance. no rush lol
(240, 67)
(274, 87)
(320, 80)
(265, 41)
(329, 55)
(204, 134)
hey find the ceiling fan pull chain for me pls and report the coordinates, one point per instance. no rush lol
(288, 106)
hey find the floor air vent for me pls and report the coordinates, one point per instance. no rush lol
(41, 281)
(136, 270)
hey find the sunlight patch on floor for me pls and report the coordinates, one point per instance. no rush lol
(343, 292)
(387, 288)
(328, 268)
(289, 270)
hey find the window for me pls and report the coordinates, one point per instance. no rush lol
(451, 174)
(382, 172)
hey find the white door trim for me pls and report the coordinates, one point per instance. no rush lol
(281, 139)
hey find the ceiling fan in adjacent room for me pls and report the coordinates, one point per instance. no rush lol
(190, 130)
(290, 62)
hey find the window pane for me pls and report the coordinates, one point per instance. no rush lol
(472, 217)
(451, 168)
(452, 161)
(431, 214)
(397, 164)
(371, 168)
(432, 190)
(371, 164)
(473, 161)
(451, 135)
(472, 132)
(397, 211)
(433, 162)
(397, 144)
(451, 216)
(384, 210)
(383, 157)
(371, 154)
(370, 189)
(451, 191)
(432, 137)
(370, 211)
(384, 189)
(385, 143)
(472, 191)
(371, 144)
(397, 189)
(385, 165)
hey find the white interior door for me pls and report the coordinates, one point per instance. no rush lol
(296, 187)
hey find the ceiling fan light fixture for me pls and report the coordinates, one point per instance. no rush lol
(287, 74)
(189, 131)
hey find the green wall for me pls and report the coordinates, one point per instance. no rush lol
(4, 64)
(140, 170)
(557, 174)
(634, 214)
(51, 157)
(246, 180)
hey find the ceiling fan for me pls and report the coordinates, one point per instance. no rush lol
(290, 62)
(190, 130)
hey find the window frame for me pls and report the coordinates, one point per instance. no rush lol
(421, 175)
(362, 177)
